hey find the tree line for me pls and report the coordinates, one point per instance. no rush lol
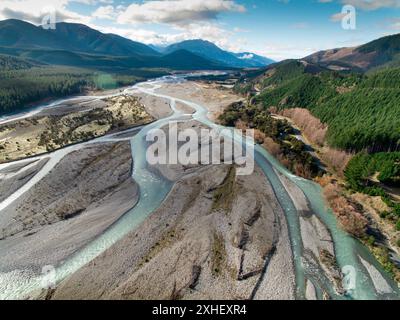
(22, 83)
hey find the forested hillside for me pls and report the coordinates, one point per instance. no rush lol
(23, 82)
(361, 110)
(12, 63)
(376, 175)
(361, 113)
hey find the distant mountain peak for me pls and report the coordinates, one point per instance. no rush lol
(211, 51)
(245, 55)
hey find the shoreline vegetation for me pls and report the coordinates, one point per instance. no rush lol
(361, 188)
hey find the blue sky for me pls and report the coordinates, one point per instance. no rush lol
(278, 29)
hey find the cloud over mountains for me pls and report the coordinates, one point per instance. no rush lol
(177, 11)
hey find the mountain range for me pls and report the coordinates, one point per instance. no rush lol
(79, 45)
(208, 50)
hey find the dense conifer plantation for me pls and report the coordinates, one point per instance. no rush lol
(361, 110)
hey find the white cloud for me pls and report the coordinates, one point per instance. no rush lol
(237, 29)
(394, 24)
(35, 10)
(177, 12)
(338, 17)
(206, 31)
(278, 52)
(106, 12)
(202, 26)
(368, 4)
(93, 2)
(189, 19)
